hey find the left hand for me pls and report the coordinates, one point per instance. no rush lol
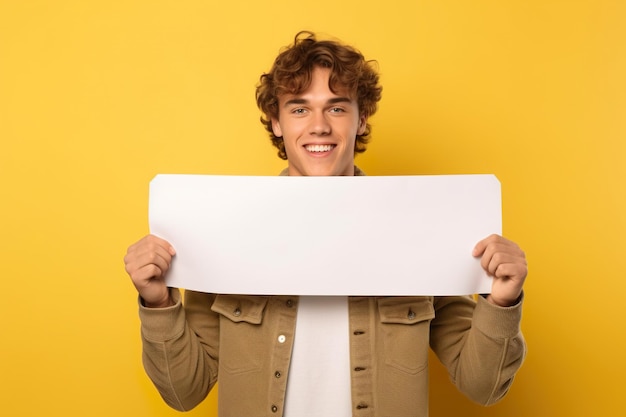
(506, 263)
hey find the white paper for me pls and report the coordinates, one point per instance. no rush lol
(392, 235)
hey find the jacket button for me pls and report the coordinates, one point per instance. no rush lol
(411, 315)
(237, 312)
(281, 338)
(277, 374)
(274, 409)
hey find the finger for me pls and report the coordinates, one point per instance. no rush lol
(504, 258)
(510, 270)
(507, 265)
(492, 260)
(148, 246)
(500, 251)
(146, 256)
(481, 246)
(159, 258)
(151, 242)
(141, 276)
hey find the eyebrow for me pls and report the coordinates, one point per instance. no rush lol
(335, 100)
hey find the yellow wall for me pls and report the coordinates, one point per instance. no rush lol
(96, 97)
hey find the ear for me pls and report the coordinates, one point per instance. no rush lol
(278, 132)
(362, 124)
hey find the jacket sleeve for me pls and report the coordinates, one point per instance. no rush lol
(480, 344)
(180, 346)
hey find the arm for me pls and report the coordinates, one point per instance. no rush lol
(180, 348)
(481, 343)
(180, 345)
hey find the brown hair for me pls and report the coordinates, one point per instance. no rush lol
(292, 73)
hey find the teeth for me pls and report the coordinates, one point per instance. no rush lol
(318, 148)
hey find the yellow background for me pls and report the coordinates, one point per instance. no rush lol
(96, 97)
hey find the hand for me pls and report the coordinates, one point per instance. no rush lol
(147, 262)
(506, 263)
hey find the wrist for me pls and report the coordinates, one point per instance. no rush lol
(503, 302)
(167, 301)
(166, 304)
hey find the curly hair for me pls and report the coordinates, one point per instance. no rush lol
(292, 74)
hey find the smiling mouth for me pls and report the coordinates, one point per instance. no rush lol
(319, 148)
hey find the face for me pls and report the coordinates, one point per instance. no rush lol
(319, 128)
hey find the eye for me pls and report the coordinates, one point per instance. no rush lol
(298, 110)
(337, 110)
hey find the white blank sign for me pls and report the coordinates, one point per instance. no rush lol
(387, 235)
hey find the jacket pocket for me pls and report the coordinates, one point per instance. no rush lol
(405, 328)
(238, 308)
(241, 332)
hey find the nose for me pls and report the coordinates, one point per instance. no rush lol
(319, 124)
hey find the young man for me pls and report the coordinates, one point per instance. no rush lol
(325, 356)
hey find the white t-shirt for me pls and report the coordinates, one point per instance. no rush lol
(318, 384)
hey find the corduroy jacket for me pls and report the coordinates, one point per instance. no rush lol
(245, 342)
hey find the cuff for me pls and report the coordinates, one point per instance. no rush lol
(498, 322)
(162, 324)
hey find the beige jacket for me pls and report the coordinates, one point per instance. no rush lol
(246, 341)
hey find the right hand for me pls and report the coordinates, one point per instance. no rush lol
(147, 262)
